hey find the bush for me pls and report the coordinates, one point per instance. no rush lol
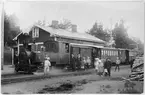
(7, 57)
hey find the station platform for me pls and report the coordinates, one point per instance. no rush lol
(7, 69)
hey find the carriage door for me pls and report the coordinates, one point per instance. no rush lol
(96, 53)
(75, 51)
(127, 55)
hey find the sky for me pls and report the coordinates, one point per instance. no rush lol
(82, 13)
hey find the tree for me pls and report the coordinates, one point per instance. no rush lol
(122, 40)
(98, 31)
(64, 24)
(41, 23)
(11, 29)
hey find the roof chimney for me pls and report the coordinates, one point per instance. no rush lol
(74, 28)
(55, 23)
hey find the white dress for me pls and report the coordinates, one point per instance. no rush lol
(96, 65)
(46, 66)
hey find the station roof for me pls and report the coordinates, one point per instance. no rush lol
(65, 34)
(70, 34)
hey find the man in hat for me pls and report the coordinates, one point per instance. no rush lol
(47, 64)
(107, 66)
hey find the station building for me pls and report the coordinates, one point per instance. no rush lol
(58, 44)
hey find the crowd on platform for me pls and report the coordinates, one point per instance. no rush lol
(102, 66)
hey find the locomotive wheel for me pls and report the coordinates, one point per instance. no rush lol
(16, 70)
(30, 72)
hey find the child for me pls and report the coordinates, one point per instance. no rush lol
(47, 64)
(96, 65)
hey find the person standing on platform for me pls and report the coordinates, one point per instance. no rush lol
(47, 65)
(88, 62)
(73, 62)
(100, 68)
(79, 60)
(107, 66)
(117, 64)
(96, 64)
(83, 65)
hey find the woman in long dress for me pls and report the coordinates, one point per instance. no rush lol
(100, 68)
(96, 64)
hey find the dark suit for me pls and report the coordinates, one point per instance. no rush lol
(107, 65)
(73, 63)
(79, 63)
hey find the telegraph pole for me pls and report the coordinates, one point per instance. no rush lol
(111, 31)
(2, 36)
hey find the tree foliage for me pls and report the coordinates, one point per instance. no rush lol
(11, 29)
(122, 39)
(98, 31)
(64, 24)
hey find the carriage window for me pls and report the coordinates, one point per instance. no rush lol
(51, 47)
(66, 47)
(108, 52)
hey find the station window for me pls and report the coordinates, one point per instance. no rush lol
(35, 33)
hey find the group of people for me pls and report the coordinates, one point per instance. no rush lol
(78, 63)
(103, 67)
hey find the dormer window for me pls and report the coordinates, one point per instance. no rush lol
(35, 32)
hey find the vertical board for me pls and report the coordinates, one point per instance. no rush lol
(86, 52)
(75, 51)
(63, 55)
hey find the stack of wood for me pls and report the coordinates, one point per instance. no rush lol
(137, 70)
